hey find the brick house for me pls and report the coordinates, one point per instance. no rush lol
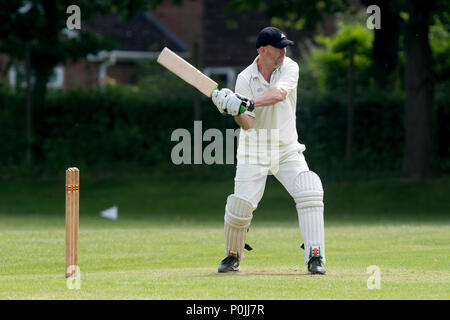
(142, 38)
(219, 44)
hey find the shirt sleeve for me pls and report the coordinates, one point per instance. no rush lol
(243, 88)
(289, 77)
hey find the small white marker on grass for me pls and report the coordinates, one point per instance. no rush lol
(111, 213)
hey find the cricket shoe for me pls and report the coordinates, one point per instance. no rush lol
(229, 264)
(315, 265)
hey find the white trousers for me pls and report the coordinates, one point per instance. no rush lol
(250, 179)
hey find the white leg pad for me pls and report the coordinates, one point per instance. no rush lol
(238, 216)
(308, 197)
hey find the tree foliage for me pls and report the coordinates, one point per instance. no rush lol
(290, 14)
(331, 62)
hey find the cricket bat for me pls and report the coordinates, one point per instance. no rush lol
(170, 60)
(187, 72)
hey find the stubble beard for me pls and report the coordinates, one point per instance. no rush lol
(278, 62)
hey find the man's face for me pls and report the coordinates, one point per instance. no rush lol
(274, 56)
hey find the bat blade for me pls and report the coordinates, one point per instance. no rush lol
(183, 69)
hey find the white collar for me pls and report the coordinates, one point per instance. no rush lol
(254, 68)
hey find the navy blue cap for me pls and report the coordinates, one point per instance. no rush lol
(274, 37)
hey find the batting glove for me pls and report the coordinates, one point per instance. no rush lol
(218, 98)
(233, 104)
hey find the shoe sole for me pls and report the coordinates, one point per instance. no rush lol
(321, 273)
(233, 270)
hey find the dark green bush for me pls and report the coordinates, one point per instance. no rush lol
(100, 127)
(12, 127)
(378, 130)
(115, 126)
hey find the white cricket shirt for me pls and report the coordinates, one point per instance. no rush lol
(280, 116)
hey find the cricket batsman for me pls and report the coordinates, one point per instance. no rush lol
(268, 144)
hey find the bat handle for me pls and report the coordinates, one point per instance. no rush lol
(247, 105)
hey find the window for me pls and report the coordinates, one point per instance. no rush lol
(224, 76)
(16, 77)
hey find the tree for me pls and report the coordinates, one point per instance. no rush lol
(34, 31)
(417, 16)
(343, 58)
(418, 89)
(386, 43)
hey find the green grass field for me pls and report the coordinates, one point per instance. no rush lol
(168, 241)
